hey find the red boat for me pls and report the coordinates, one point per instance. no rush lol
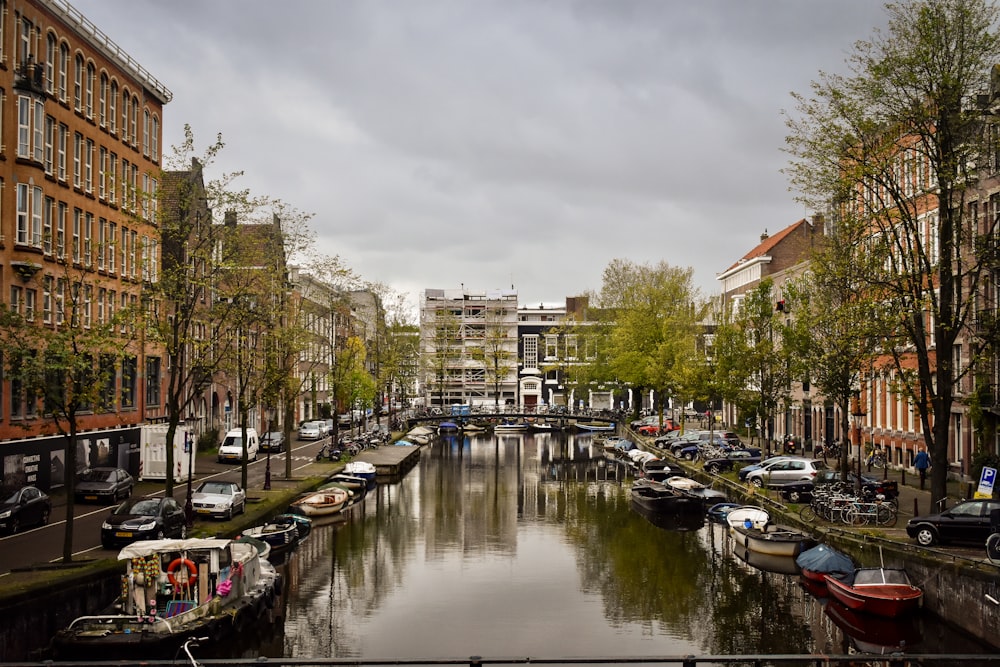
(876, 590)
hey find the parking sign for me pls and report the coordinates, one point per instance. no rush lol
(986, 480)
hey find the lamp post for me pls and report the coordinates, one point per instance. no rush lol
(267, 465)
(188, 503)
(857, 413)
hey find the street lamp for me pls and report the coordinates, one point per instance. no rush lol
(267, 466)
(188, 503)
(857, 412)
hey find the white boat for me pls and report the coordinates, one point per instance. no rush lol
(596, 427)
(510, 427)
(362, 469)
(174, 590)
(321, 503)
(757, 516)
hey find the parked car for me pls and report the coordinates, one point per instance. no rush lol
(968, 521)
(106, 485)
(143, 519)
(664, 440)
(655, 429)
(870, 486)
(220, 500)
(746, 470)
(310, 431)
(787, 470)
(231, 448)
(648, 420)
(273, 441)
(27, 506)
(733, 458)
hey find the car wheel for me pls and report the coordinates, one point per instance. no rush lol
(926, 536)
(243, 507)
(794, 496)
(160, 534)
(15, 525)
(229, 513)
(688, 456)
(757, 481)
(712, 468)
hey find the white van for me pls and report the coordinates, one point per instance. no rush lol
(231, 448)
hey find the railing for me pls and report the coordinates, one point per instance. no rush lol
(750, 660)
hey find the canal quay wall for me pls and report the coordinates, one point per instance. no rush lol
(35, 611)
(959, 588)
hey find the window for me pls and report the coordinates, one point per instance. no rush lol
(26, 51)
(88, 166)
(530, 351)
(51, 58)
(571, 347)
(61, 151)
(112, 235)
(102, 242)
(108, 375)
(30, 128)
(16, 299)
(134, 121)
(88, 93)
(113, 107)
(152, 380)
(125, 101)
(50, 140)
(48, 216)
(113, 179)
(88, 305)
(146, 127)
(133, 270)
(102, 294)
(88, 240)
(62, 216)
(29, 304)
(63, 70)
(125, 189)
(124, 246)
(102, 102)
(128, 382)
(78, 84)
(77, 230)
(102, 173)
(155, 139)
(77, 160)
(29, 215)
(551, 346)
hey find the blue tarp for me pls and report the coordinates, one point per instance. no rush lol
(826, 559)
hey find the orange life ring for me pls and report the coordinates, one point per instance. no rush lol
(192, 575)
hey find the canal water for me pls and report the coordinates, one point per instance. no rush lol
(527, 546)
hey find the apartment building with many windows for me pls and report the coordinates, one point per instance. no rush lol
(80, 154)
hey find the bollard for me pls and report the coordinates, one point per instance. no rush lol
(902, 477)
(915, 508)
(968, 490)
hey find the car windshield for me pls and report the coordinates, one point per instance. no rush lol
(96, 475)
(142, 508)
(214, 487)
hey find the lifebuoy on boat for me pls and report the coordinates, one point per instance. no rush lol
(192, 573)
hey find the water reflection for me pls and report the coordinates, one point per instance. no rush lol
(527, 545)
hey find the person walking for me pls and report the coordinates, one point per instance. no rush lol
(922, 461)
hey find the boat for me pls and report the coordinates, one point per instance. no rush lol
(473, 428)
(822, 560)
(542, 427)
(510, 427)
(596, 427)
(282, 536)
(361, 469)
(658, 497)
(172, 591)
(767, 562)
(684, 518)
(757, 516)
(881, 591)
(718, 512)
(321, 503)
(695, 490)
(873, 634)
(356, 487)
(449, 427)
(773, 540)
(352, 482)
(262, 547)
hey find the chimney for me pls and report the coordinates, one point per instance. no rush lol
(763, 237)
(230, 218)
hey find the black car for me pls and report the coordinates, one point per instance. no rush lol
(272, 441)
(26, 506)
(143, 519)
(103, 485)
(733, 458)
(871, 487)
(968, 521)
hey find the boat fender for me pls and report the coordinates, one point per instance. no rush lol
(192, 575)
(747, 523)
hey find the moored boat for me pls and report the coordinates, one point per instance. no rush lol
(448, 427)
(880, 591)
(822, 560)
(321, 503)
(510, 427)
(695, 490)
(362, 469)
(757, 516)
(174, 590)
(718, 512)
(280, 535)
(658, 497)
(773, 540)
(596, 427)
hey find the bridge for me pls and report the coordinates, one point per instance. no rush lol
(486, 416)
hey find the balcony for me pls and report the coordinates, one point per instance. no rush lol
(985, 325)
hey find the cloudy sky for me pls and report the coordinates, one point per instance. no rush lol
(489, 143)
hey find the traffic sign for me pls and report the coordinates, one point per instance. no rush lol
(986, 481)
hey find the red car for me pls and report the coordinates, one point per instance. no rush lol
(655, 430)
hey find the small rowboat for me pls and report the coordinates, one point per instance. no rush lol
(880, 591)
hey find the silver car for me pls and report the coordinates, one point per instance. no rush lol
(220, 500)
(786, 470)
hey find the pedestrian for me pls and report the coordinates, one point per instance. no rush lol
(922, 461)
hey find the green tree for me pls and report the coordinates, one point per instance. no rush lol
(905, 140)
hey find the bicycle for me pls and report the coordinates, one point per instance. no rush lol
(877, 459)
(877, 512)
(993, 548)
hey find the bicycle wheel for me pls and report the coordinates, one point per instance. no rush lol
(993, 548)
(886, 515)
(807, 513)
(850, 516)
